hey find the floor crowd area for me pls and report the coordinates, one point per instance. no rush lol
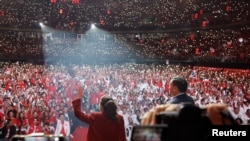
(32, 96)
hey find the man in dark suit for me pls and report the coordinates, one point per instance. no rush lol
(7, 131)
(177, 89)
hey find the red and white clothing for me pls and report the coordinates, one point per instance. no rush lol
(34, 129)
(62, 127)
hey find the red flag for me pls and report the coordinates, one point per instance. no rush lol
(197, 51)
(191, 36)
(228, 8)
(108, 11)
(204, 23)
(229, 44)
(201, 11)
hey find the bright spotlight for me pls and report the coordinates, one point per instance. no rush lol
(41, 24)
(93, 26)
(240, 40)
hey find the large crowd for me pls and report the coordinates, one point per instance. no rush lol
(214, 45)
(123, 14)
(199, 31)
(37, 94)
(32, 96)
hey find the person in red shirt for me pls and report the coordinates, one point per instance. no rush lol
(106, 125)
(35, 127)
(22, 123)
(12, 117)
(2, 116)
(48, 129)
(1, 119)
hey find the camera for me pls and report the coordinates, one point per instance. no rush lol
(189, 122)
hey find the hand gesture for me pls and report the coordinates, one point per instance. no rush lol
(80, 93)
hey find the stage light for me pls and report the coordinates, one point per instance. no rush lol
(41, 24)
(93, 25)
(240, 40)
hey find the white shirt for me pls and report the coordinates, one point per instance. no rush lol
(59, 127)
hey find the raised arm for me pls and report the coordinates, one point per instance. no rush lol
(82, 115)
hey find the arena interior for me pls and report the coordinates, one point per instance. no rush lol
(128, 49)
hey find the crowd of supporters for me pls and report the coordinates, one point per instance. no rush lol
(37, 94)
(214, 45)
(122, 14)
(228, 42)
(33, 96)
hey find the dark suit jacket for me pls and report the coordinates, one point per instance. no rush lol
(4, 132)
(182, 98)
